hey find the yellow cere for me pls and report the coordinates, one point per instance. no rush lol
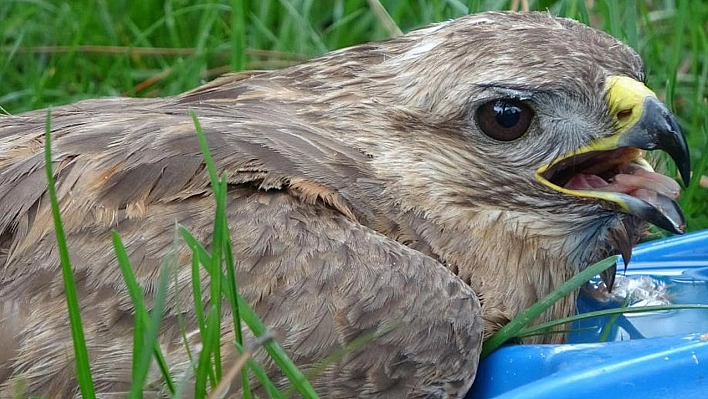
(625, 98)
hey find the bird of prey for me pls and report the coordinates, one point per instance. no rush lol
(421, 190)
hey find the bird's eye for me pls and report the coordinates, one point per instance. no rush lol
(504, 119)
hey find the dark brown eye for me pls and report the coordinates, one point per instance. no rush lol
(504, 119)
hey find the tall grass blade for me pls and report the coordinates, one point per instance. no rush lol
(221, 253)
(514, 327)
(221, 248)
(201, 256)
(218, 240)
(232, 285)
(211, 345)
(250, 318)
(201, 373)
(304, 25)
(613, 319)
(545, 327)
(210, 355)
(136, 296)
(238, 35)
(384, 18)
(151, 344)
(142, 325)
(83, 369)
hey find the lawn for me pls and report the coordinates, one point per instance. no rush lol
(54, 52)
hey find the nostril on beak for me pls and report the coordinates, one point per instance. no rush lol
(624, 114)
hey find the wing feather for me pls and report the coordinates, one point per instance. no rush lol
(318, 278)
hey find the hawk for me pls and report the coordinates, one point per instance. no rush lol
(423, 189)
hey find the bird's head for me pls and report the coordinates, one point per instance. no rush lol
(518, 138)
(510, 146)
(530, 115)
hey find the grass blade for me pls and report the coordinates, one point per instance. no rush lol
(143, 325)
(233, 301)
(201, 256)
(210, 355)
(151, 344)
(613, 319)
(211, 343)
(514, 327)
(221, 249)
(250, 318)
(220, 237)
(83, 369)
(542, 328)
(238, 35)
(136, 296)
(389, 25)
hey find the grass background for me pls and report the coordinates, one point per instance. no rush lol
(54, 53)
(57, 52)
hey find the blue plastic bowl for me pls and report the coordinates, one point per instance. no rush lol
(656, 355)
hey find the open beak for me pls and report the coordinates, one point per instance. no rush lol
(612, 170)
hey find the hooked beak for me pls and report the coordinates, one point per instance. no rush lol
(612, 169)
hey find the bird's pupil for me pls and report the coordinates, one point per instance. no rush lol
(507, 114)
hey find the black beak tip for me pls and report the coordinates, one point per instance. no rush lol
(685, 169)
(659, 129)
(679, 152)
(608, 277)
(674, 143)
(686, 177)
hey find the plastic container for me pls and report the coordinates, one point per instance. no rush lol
(649, 355)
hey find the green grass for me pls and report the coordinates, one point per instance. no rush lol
(222, 285)
(83, 368)
(55, 53)
(58, 52)
(520, 326)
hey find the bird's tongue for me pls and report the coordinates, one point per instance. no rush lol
(638, 183)
(648, 195)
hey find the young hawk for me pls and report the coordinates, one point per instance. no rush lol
(421, 191)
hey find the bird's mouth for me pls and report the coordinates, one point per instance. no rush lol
(623, 170)
(613, 171)
(619, 179)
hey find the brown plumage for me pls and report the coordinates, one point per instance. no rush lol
(363, 197)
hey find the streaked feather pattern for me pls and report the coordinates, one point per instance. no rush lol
(362, 198)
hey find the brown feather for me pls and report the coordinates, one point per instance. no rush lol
(358, 183)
